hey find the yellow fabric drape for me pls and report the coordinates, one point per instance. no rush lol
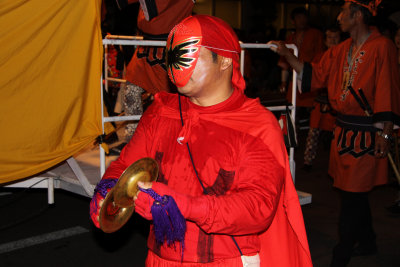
(50, 65)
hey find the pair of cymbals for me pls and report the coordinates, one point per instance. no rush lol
(118, 205)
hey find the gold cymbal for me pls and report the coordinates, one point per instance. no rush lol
(144, 170)
(118, 205)
(112, 217)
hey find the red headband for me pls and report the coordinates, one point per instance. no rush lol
(372, 6)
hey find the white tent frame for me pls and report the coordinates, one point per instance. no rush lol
(83, 187)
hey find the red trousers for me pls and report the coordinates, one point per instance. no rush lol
(154, 261)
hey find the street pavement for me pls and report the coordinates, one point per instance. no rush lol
(33, 233)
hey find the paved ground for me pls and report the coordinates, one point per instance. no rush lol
(34, 234)
(321, 216)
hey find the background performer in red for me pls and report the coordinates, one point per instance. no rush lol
(322, 118)
(362, 77)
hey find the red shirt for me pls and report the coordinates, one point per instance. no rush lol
(239, 153)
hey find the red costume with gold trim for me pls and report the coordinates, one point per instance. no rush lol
(352, 162)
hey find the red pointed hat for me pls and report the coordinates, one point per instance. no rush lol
(186, 38)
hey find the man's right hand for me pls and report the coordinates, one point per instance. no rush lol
(100, 193)
(279, 47)
(95, 206)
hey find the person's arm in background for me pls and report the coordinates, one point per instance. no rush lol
(313, 75)
(291, 59)
(382, 140)
(386, 105)
(284, 80)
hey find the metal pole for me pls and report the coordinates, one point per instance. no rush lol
(50, 190)
(242, 54)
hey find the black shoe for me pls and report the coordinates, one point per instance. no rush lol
(307, 167)
(111, 138)
(364, 250)
(341, 255)
(395, 208)
(115, 151)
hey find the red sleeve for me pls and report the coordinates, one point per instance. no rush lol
(321, 70)
(250, 207)
(387, 81)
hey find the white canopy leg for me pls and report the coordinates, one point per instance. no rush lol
(87, 186)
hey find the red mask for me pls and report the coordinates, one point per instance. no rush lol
(183, 48)
(186, 38)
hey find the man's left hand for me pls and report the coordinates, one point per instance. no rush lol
(382, 146)
(143, 201)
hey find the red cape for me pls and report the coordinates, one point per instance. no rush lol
(287, 229)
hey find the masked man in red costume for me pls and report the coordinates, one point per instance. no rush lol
(363, 87)
(222, 159)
